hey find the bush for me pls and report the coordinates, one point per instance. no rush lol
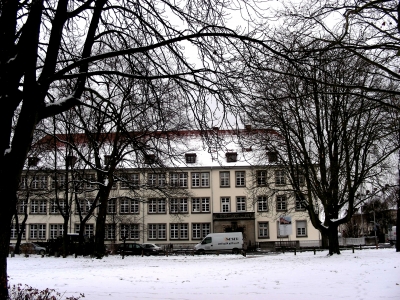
(18, 292)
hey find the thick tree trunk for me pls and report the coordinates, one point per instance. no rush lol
(99, 249)
(333, 240)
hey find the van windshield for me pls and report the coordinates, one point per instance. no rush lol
(207, 240)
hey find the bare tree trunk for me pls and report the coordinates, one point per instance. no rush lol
(333, 240)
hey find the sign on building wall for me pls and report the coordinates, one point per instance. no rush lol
(285, 225)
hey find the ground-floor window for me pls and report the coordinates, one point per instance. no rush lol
(179, 231)
(88, 232)
(56, 230)
(157, 231)
(14, 231)
(301, 228)
(110, 232)
(129, 231)
(200, 230)
(263, 230)
(37, 231)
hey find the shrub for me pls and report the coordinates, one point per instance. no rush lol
(19, 292)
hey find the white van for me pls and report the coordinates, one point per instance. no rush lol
(228, 241)
(392, 235)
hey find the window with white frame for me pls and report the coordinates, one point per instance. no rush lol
(89, 229)
(263, 230)
(201, 205)
(300, 202)
(261, 178)
(84, 205)
(301, 228)
(157, 231)
(200, 230)
(178, 205)
(56, 230)
(225, 204)
(280, 178)
(22, 206)
(23, 185)
(112, 206)
(262, 203)
(156, 206)
(90, 181)
(200, 179)
(38, 207)
(240, 204)
(129, 231)
(110, 232)
(58, 181)
(240, 178)
(190, 158)
(39, 182)
(281, 203)
(179, 231)
(224, 179)
(131, 180)
(14, 231)
(156, 179)
(128, 206)
(178, 180)
(54, 207)
(37, 231)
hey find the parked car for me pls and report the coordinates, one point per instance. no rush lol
(30, 248)
(132, 249)
(155, 249)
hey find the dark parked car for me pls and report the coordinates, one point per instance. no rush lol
(132, 249)
(153, 248)
(32, 248)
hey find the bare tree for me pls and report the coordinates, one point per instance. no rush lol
(332, 140)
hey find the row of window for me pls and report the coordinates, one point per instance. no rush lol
(157, 231)
(176, 179)
(159, 205)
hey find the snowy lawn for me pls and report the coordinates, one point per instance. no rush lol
(365, 274)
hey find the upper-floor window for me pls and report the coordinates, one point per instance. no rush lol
(261, 178)
(38, 206)
(39, 182)
(156, 206)
(90, 181)
(70, 160)
(200, 205)
(130, 180)
(281, 203)
(272, 156)
(128, 206)
(33, 161)
(156, 179)
(178, 205)
(225, 204)
(190, 158)
(224, 179)
(262, 203)
(280, 178)
(240, 178)
(300, 202)
(240, 204)
(54, 206)
(178, 180)
(58, 181)
(112, 206)
(231, 157)
(200, 179)
(149, 159)
(107, 159)
(84, 206)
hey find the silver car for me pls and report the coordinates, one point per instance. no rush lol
(32, 248)
(154, 249)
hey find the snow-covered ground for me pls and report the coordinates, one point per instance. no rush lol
(366, 274)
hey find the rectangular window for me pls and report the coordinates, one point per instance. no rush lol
(240, 204)
(281, 203)
(178, 180)
(240, 178)
(111, 207)
(261, 178)
(178, 205)
(37, 231)
(23, 184)
(190, 158)
(157, 180)
(280, 178)
(225, 204)
(129, 181)
(263, 230)
(129, 231)
(14, 231)
(38, 207)
(262, 203)
(89, 229)
(22, 206)
(56, 230)
(224, 179)
(157, 231)
(200, 230)
(156, 206)
(54, 207)
(179, 231)
(84, 206)
(110, 232)
(39, 182)
(200, 179)
(90, 181)
(301, 228)
(200, 205)
(231, 157)
(58, 181)
(300, 202)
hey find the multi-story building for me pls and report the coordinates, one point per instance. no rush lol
(232, 186)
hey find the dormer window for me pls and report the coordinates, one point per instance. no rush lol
(33, 161)
(149, 159)
(107, 159)
(231, 157)
(272, 156)
(190, 158)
